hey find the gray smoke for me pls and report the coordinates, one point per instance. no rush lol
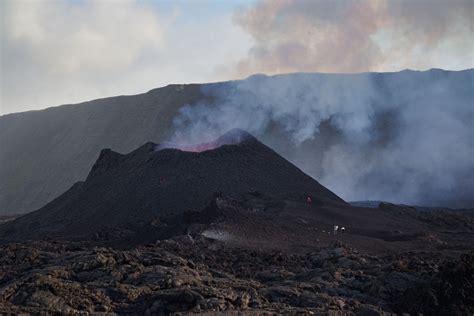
(404, 137)
(356, 35)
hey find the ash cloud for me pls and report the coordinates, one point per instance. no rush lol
(404, 137)
(356, 35)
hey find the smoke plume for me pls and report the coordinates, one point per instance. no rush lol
(356, 35)
(404, 137)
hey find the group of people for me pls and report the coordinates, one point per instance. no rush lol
(342, 229)
(337, 229)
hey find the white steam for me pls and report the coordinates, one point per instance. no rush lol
(405, 137)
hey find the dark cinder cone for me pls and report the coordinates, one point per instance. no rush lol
(131, 189)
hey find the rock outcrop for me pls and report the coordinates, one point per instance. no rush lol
(202, 275)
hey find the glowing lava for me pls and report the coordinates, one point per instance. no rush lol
(201, 147)
(232, 137)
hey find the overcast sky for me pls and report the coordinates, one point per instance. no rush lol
(55, 52)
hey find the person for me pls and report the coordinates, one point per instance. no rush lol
(309, 200)
(336, 227)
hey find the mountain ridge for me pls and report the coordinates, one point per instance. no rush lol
(179, 85)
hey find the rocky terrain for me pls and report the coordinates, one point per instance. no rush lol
(231, 257)
(202, 275)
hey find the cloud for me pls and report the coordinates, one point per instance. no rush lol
(47, 45)
(56, 51)
(356, 35)
(96, 35)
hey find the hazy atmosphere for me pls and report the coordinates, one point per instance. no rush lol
(56, 52)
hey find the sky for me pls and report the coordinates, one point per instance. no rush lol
(57, 52)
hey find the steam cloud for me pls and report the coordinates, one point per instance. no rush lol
(356, 35)
(404, 137)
